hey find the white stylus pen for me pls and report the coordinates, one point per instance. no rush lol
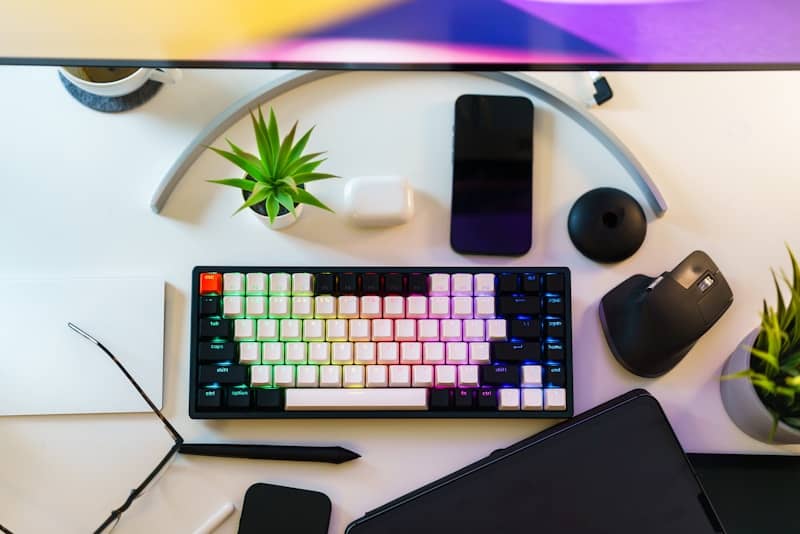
(219, 517)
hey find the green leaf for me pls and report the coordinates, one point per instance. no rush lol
(289, 182)
(246, 165)
(286, 200)
(770, 359)
(272, 208)
(250, 157)
(283, 154)
(274, 139)
(295, 163)
(298, 148)
(262, 141)
(312, 177)
(792, 421)
(311, 166)
(790, 364)
(774, 428)
(260, 192)
(304, 197)
(240, 183)
(746, 373)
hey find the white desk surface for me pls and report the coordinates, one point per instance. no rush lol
(76, 187)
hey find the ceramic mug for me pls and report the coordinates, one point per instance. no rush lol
(123, 86)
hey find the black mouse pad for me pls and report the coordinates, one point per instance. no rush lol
(616, 469)
(271, 509)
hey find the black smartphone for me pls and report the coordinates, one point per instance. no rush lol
(492, 175)
(269, 508)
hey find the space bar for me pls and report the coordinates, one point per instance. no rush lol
(357, 399)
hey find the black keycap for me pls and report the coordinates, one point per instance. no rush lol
(370, 284)
(554, 282)
(223, 374)
(238, 398)
(464, 399)
(418, 284)
(554, 352)
(324, 284)
(209, 399)
(554, 375)
(530, 283)
(440, 399)
(269, 398)
(515, 352)
(524, 329)
(215, 328)
(209, 306)
(214, 352)
(348, 284)
(393, 284)
(554, 306)
(487, 399)
(507, 283)
(554, 328)
(499, 375)
(517, 306)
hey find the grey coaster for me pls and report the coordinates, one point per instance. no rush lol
(112, 104)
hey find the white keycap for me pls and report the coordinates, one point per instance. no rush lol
(280, 284)
(283, 376)
(461, 285)
(388, 352)
(508, 399)
(290, 329)
(336, 330)
(411, 353)
(422, 376)
(232, 307)
(428, 330)
(341, 353)
(555, 399)
(439, 285)
(484, 284)
(307, 376)
(256, 284)
(445, 375)
(496, 330)
(313, 330)
(394, 399)
(531, 376)
(433, 353)
(324, 307)
(399, 376)
(439, 307)
(319, 353)
(261, 375)
(417, 307)
(479, 353)
(468, 376)
(302, 284)
(484, 307)
(450, 330)
(267, 330)
(474, 330)
(279, 307)
(272, 352)
(330, 376)
(456, 353)
(377, 376)
(364, 353)
(359, 330)
(244, 330)
(353, 376)
(405, 330)
(371, 307)
(462, 307)
(532, 399)
(394, 307)
(233, 284)
(382, 330)
(249, 353)
(256, 307)
(302, 307)
(347, 307)
(295, 352)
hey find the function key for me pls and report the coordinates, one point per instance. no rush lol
(515, 352)
(440, 399)
(222, 374)
(209, 398)
(554, 282)
(371, 284)
(280, 284)
(530, 283)
(508, 283)
(439, 285)
(554, 352)
(215, 328)
(517, 305)
(393, 284)
(487, 399)
(461, 285)
(302, 285)
(209, 306)
(417, 284)
(484, 284)
(233, 284)
(256, 284)
(464, 399)
(554, 328)
(348, 284)
(554, 306)
(524, 329)
(324, 284)
(238, 398)
(210, 283)
(269, 398)
(500, 375)
(554, 376)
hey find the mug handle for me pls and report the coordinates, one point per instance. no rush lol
(167, 76)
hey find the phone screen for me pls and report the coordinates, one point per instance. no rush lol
(492, 175)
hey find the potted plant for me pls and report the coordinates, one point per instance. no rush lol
(761, 380)
(275, 180)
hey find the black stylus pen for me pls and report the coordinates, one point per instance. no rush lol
(331, 455)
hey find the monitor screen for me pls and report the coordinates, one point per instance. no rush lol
(405, 34)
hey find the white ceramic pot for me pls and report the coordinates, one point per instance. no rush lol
(126, 85)
(743, 404)
(283, 220)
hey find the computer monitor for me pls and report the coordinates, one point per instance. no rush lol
(405, 34)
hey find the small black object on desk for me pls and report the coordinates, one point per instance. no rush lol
(284, 510)
(331, 455)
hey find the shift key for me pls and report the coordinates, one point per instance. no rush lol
(223, 374)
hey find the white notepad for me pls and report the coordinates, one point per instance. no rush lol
(46, 368)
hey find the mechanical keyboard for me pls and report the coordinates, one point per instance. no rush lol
(277, 342)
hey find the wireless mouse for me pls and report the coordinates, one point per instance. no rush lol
(651, 323)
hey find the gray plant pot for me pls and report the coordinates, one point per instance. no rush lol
(743, 404)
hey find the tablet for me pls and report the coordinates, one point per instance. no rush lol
(616, 469)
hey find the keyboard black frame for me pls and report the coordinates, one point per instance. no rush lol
(194, 413)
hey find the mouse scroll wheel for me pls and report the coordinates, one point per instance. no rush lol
(705, 283)
(654, 283)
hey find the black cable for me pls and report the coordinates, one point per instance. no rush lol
(4, 530)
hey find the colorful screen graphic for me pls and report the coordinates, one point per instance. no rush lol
(404, 33)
